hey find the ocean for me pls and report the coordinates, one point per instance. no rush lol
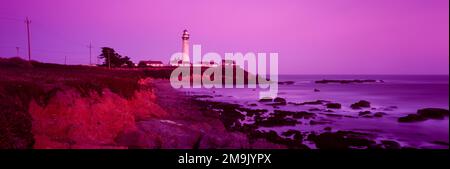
(396, 96)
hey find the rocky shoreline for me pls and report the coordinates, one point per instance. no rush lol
(256, 123)
(189, 125)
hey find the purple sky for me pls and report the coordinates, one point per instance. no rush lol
(311, 36)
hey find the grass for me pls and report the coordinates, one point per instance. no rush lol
(22, 81)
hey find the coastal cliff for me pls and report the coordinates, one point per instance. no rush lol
(79, 107)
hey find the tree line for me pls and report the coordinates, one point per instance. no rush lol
(113, 59)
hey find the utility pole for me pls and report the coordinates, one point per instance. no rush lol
(27, 21)
(90, 53)
(109, 59)
(17, 50)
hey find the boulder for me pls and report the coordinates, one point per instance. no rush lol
(273, 137)
(333, 105)
(433, 113)
(411, 118)
(389, 144)
(276, 121)
(425, 114)
(379, 114)
(360, 104)
(303, 115)
(315, 122)
(363, 113)
(341, 140)
(290, 132)
(265, 99)
(279, 100)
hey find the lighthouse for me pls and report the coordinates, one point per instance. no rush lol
(185, 48)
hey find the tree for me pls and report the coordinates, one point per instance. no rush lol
(113, 59)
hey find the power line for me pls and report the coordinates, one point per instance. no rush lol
(58, 51)
(90, 53)
(18, 48)
(58, 35)
(10, 19)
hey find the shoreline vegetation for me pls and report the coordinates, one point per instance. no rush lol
(48, 106)
(64, 106)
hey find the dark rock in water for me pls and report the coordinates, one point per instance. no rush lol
(379, 114)
(313, 122)
(297, 115)
(253, 104)
(359, 142)
(360, 104)
(275, 121)
(329, 141)
(272, 136)
(286, 83)
(279, 100)
(433, 113)
(251, 112)
(333, 105)
(278, 118)
(229, 115)
(411, 118)
(443, 143)
(329, 111)
(389, 144)
(363, 113)
(293, 103)
(265, 100)
(390, 108)
(282, 113)
(311, 136)
(290, 132)
(258, 119)
(425, 114)
(201, 96)
(303, 115)
(345, 81)
(315, 102)
(316, 90)
(333, 115)
(341, 140)
(247, 128)
(327, 129)
(298, 137)
(376, 146)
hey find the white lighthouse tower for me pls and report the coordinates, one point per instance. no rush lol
(185, 48)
